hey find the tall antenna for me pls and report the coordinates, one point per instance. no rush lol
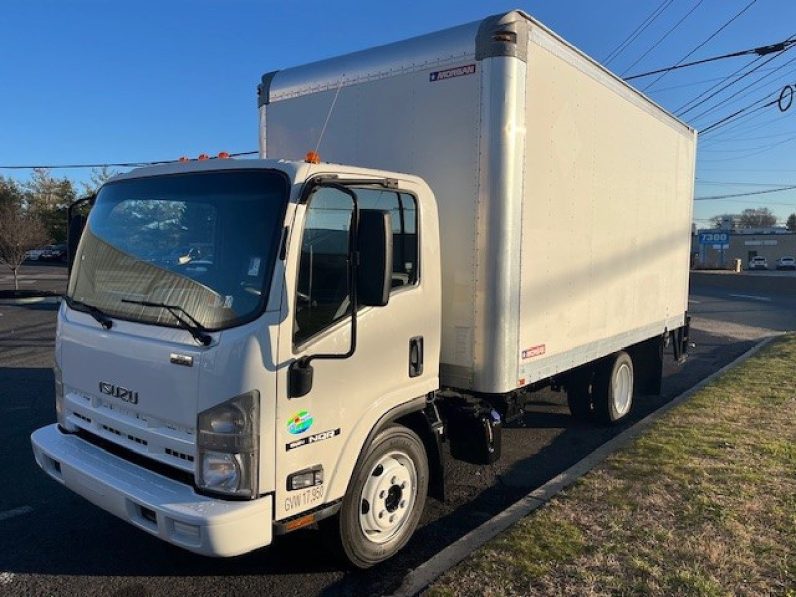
(329, 114)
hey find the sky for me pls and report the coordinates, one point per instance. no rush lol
(87, 81)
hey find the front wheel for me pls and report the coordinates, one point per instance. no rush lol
(385, 499)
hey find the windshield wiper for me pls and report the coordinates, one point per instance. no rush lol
(197, 330)
(97, 313)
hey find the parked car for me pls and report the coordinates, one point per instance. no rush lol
(34, 254)
(53, 253)
(757, 262)
(786, 263)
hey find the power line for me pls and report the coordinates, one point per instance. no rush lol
(663, 37)
(760, 51)
(712, 87)
(701, 45)
(738, 114)
(748, 124)
(111, 164)
(737, 94)
(720, 141)
(758, 151)
(710, 80)
(777, 190)
(764, 201)
(744, 184)
(637, 31)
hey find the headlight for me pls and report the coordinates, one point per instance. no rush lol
(59, 396)
(228, 443)
(221, 471)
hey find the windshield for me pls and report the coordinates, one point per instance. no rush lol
(204, 242)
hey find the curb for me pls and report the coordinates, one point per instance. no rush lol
(422, 576)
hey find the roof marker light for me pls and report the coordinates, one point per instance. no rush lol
(223, 155)
(183, 159)
(202, 157)
(312, 157)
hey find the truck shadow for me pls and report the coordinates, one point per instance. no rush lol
(65, 535)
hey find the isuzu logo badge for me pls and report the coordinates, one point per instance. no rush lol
(119, 392)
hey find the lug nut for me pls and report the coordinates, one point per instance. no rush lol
(381, 514)
(392, 518)
(381, 495)
(402, 504)
(394, 480)
(403, 485)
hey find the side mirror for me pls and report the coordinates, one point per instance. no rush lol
(374, 245)
(73, 234)
(75, 222)
(299, 379)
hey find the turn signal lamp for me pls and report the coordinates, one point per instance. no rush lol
(312, 157)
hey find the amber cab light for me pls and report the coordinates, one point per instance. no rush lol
(312, 157)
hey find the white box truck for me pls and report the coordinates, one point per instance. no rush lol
(248, 347)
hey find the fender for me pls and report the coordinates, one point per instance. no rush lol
(420, 415)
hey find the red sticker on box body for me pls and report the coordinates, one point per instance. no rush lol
(533, 351)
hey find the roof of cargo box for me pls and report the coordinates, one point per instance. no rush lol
(498, 35)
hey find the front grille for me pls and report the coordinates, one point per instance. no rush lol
(179, 455)
(82, 417)
(137, 459)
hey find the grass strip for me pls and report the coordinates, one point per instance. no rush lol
(702, 504)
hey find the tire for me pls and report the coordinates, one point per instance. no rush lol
(579, 396)
(613, 389)
(393, 477)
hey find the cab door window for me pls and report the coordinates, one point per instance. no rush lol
(323, 295)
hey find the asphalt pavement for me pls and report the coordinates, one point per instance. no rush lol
(52, 540)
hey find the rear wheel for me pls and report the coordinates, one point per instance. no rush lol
(385, 499)
(613, 389)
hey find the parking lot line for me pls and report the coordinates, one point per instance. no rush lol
(15, 512)
(752, 297)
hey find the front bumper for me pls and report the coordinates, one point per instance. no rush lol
(161, 506)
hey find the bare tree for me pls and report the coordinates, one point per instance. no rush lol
(758, 218)
(20, 231)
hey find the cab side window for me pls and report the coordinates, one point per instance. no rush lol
(403, 215)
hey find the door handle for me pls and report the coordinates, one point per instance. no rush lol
(416, 356)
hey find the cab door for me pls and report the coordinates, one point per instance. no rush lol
(324, 430)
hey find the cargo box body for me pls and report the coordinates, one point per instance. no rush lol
(564, 195)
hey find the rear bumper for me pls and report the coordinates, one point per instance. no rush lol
(160, 506)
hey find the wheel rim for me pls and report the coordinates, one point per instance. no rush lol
(388, 497)
(623, 389)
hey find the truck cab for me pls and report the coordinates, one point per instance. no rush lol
(235, 339)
